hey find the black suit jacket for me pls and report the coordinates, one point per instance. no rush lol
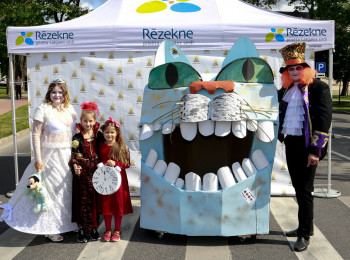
(319, 114)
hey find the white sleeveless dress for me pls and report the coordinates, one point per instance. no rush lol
(55, 148)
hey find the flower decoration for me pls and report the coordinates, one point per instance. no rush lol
(111, 120)
(90, 106)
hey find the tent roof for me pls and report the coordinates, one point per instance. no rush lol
(141, 25)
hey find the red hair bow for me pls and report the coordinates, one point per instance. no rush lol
(111, 120)
(90, 106)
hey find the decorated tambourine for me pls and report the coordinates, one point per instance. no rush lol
(106, 180)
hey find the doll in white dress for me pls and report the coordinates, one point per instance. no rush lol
(54, 123)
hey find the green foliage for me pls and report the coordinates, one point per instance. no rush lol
(32, 13)
(60, 10)
(339, 11)
(15, 13)
(262, 3)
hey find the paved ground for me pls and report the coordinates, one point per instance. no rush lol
(5, 103)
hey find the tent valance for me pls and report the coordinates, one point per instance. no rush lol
(141, 25)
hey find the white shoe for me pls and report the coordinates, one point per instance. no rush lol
(55, 238)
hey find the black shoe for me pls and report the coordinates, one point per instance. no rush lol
(94, 234)
(81, 237)
(301, 244)
(294, 233)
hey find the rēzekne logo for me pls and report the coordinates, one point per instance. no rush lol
(45, 37)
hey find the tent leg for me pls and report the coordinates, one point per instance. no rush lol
(322, 192)
(14, 130)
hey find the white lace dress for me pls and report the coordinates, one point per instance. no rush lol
(54, 139)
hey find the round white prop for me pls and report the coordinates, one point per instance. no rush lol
(106, 180)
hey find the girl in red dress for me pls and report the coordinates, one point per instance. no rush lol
(114, 152)
(83, 164)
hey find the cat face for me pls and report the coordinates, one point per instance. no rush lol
(194, 133)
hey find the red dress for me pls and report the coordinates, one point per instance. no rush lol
(119, 203)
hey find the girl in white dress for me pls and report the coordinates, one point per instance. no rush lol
(54, 123)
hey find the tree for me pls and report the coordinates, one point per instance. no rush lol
(339, 11)
(16, 13)
(32, 13)
(61, 10)
(262, 3)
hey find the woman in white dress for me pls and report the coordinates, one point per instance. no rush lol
(54, 123)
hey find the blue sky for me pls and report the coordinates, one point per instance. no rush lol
(92, 4)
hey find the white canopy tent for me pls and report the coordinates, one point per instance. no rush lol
(141, 25)
(118, 26)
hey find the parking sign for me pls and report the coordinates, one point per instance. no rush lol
(321, 66)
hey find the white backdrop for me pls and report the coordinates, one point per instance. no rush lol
(116, 80)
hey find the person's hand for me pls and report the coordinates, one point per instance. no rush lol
(77, 169)
(110, 163)
(312, 160)
(38, 166)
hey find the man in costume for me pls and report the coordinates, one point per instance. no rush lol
(305, 119)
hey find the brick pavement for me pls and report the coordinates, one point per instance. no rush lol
(5, 103)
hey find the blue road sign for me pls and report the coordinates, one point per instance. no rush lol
(321, 66)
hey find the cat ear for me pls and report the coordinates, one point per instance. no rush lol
(243, 48)
(168, 52)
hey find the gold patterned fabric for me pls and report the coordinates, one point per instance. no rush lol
(293, 54)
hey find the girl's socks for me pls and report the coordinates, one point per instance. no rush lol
(108, 222)
(117, 222)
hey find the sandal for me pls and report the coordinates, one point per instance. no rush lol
(55, 238)
(116, 236)
(107, 236)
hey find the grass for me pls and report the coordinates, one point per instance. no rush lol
(336, 97)
(3, 92)
(343, 105)
(4, 95)
(21, 123)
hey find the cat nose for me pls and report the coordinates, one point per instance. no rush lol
(211, 86)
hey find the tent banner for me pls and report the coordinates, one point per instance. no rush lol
(116, 81)
(30, 40)
(142, 25)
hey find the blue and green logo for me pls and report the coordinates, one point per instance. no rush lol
(275, 34)
(25, 37)
(157, 6)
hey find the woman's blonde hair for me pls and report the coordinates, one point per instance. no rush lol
(306, 77)
(119, 151)
(65, 91)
